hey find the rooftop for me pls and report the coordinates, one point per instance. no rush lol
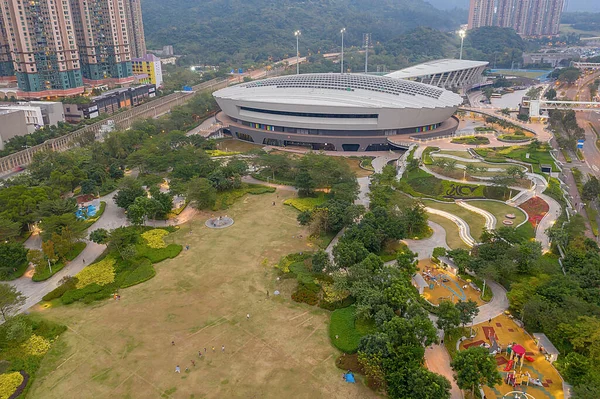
(436, 67)
(546, 343)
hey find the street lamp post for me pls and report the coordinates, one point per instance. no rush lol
(462, 33)
(342, 32)
(297, 34)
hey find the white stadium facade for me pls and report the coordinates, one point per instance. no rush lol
(337, 112)
(447, 73)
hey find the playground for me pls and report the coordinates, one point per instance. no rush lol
(443, 285)
(212, 296)
(522, 365)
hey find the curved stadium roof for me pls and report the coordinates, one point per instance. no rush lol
(349, 90)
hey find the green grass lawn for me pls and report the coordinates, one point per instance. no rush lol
(462, 154)
(345, 331)
(499, 210)
(518, 153)
(452, 238)
(476, 222)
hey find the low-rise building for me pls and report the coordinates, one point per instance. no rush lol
(39, 113)
(13, 124)
(108, 102)
(33, 115)
(149, 65)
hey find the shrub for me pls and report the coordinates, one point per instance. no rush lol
(302, 294)
(143, 272)
(88, 294)
(307, 203)
(35, 345)
(69, 284)
(100, 273)
(286, 261)
(159, 254)
(155, 238)
(9, 384)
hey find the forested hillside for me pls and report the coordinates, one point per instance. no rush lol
(219, 31)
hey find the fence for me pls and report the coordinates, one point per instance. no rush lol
(122, 120)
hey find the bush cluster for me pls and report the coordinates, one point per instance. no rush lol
(155, 238)
(100, 273)
(36, 345)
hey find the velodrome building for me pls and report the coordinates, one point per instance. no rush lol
(337, 112)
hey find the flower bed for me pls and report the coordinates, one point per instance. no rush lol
(536, 209)
(155, 238)
(36, 345)
(101, 273)
(9, 384)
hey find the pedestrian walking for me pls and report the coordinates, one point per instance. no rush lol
(84, 261)
(489, 321)
(177, 369)
(248, 316)
(222, 348)
(199, 353)
(273, 203)
(213, 348)
(267, 293)
(172, 343)
(204, 350)
(193, 363)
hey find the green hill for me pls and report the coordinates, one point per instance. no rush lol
(223, 31)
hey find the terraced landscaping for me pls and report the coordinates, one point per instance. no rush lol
(452, 238)
(476, 222)
(500, 210)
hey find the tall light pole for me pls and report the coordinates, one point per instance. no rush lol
(342, 32)
(297, 34)
(462, 33)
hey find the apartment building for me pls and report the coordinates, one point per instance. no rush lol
(137, 40)
(526, 17)
(41, 38)
(54, 47)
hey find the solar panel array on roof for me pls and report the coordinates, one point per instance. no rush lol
(349, 82)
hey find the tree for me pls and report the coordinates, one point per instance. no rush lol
(515, 172)
(474, 367)
(417, 383)
(10, 300)
(407, 262)
(12, 256)
(37, 259)
(348, 253)
(18, 329)
(136, 213)
(304, 218)
(467, 311)
(448, 316)
(550, 95)
(487, 92)
(9, 229)
(131, 190)
(415, 219)
(49, 251)
(121, 238)
(99, 236)
(320, 261)
(591, 189)
(59, 223)
(202, 193)
(304, 183)
(438, 252)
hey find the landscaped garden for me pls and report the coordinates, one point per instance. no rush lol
(24, 342)
(536, 209)
(475, 221)
(129, 261)
(500, 210)
(535, 154)
(471, 140)
(452, 234)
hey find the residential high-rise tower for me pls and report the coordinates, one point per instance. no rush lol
(41, 39)
(137, 40)
(55, 46)
(527, 17)
(481, 13)
(101, 28)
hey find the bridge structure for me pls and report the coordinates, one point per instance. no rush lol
(586, 65)
(122, 121)
(535, 106)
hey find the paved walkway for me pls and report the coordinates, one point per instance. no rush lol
(490, 220)
(424, 248)
(463, 227)
(495, 307)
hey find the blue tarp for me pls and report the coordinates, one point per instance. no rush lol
(349, 377)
